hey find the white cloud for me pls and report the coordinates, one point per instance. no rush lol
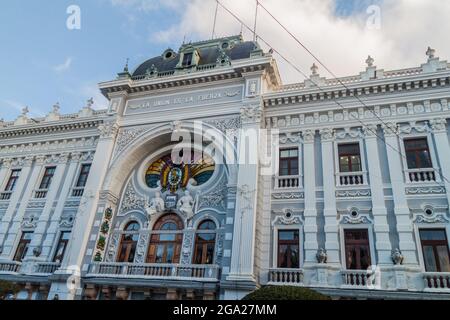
(408, 27)
(92, 91)
(60, 68)
(148, 5)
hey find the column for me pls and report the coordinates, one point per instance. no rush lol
(76, 250)
(41, 226)
(5, 169)
(439, 129)
(329, 197)
(404, 224)
(379, 211)
(243, 248)
(52, 230)
(310, 228)
(24, 186)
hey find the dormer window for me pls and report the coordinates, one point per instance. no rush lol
(187, 59)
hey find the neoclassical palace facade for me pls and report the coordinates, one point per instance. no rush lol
(94, 205)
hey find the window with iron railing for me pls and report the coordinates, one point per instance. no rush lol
(418, 153)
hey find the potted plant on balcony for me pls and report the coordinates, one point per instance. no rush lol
(8, 289)
(285, 293)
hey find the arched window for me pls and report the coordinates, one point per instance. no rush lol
(128, 243)
(166, 240)
(205, 243)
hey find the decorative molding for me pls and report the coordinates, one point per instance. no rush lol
(141, 252)
(131, 200)
(251, 113)
(108, 130)
(214, 199)
(353, 193)
(288, 195)
(439, 125)
(425, 190)
(438, 218)
(290, 138)
(54, 146)
(327, 134)
(308, 136)
(127, 136)
(187, 248)
(113, 246)
(348, 133)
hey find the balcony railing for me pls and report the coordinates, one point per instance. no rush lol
(286, 276)
(5, 195)
(77, 192)
(287, 182)
(10, 267)
(47, 267)
(174, 271)
(351, 178)
(422, 175)
(436, 281)
(358, 278)
(40, 194)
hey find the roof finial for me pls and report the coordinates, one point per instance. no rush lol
(90, 103)
(314, 69)
(25, 111)
(125, 69)
(430, 53)
(370, 61)
(56, 107)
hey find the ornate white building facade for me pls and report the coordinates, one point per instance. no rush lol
(92, 205)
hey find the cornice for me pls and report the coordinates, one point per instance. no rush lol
(195, 78)
(362, 90)
(49, 128)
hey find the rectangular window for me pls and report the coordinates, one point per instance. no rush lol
(47, 178)
(187, 59)
(61, 247)
(289, 162)
(84, 174)
(418, 153)
(288, 249)
(435, 250)
(23, 246)
(12, 180)
(357, 249)
(349, 158)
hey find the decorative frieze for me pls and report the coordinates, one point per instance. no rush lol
(288, 195)
(425, 190)
(353, 193)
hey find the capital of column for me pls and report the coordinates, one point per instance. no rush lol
(28, 161)
(370, 131)
(438, 125)
(327, 134)
(251, 113)
(308, 136)
(108, 130)
(75, 156)
(390, 129)
(6, 163)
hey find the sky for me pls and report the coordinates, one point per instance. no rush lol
(43, 61)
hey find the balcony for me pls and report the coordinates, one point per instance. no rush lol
(287, 182)
(286, 276)
(46, 267)
(77, 192)
(422, 175)
(155, 271)
(437, 281)
(358, 279)
(40, 194)
(345, 179)
(5, 195)
(10, 267)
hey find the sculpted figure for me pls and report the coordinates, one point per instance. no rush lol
(186, 205)
(155, 206)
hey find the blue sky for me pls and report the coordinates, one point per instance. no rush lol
(42, 62)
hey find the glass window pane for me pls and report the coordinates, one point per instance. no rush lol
(428, 257)
(444, 261)
(433, 235)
